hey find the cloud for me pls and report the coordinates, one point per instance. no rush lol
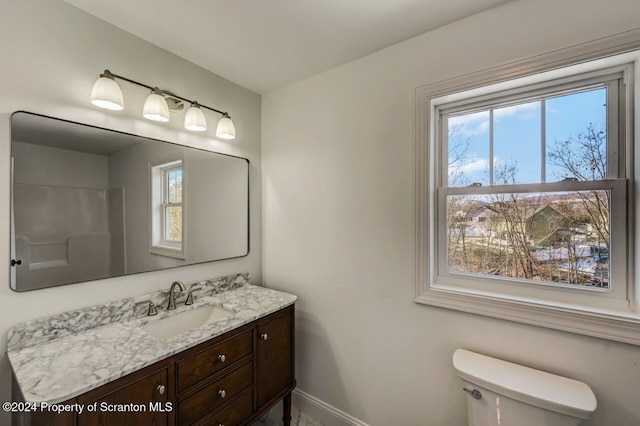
(469, 124)
(460, 120)
(470, 166)
(474, 164)
(523, 111)
(478, 122)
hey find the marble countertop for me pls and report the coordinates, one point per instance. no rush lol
(61, 368)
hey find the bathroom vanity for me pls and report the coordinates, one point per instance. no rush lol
(226, 372)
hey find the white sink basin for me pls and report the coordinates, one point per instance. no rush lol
(174, 325)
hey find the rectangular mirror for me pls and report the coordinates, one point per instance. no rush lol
(91, 203)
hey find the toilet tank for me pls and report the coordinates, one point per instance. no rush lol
(513, 395)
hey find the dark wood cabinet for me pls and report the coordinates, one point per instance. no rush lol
(274, 357)
(214, 359)
(144, 403)
(209, 398)
(231, 379)
(234, 414)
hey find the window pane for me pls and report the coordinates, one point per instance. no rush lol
(517, 144)
(551, 237)
(173, 223)
(577, 136)
(174, 186)
(468, 144)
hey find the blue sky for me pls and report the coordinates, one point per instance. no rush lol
(517, 135)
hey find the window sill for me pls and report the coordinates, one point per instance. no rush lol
(168, 251)
(607, 325)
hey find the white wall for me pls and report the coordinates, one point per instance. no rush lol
(44, 165)
(58, 192)
(52, 54)
(337, 227)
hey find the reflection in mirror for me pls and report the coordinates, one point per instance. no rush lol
(91, 203)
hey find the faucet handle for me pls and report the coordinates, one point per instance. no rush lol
(152, 308)
(189, 300)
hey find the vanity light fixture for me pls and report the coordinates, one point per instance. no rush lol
(194, 119)
(226, 129)
(155, 107)
(106, 94)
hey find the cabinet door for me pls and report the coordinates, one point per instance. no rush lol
(275, 357)
(148, 393)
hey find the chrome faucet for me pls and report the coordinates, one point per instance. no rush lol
(172, 295)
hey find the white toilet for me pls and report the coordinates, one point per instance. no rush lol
(507, 394)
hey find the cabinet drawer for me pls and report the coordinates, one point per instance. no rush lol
(214, 395)
(148, 390)
(210, 361)
(234, 414)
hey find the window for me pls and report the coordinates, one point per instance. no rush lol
(167, 208)
(523, 190)
(172, 205)
(547, 154)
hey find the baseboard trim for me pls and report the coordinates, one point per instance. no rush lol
(323, 412)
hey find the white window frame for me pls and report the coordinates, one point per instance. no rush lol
(158, 202)
(616, 296)
(166, 170)
(613, 314)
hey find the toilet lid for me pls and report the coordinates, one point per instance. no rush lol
(524, 384)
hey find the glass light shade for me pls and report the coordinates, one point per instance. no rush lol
(156, 108)
(226, 129)
(106, 94)
(194, 119)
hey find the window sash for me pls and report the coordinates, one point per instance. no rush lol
(166, 172)
(617, 294)
(611, 79)
(165, 224)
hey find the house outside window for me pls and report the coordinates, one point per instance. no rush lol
(167, 207)
(542, 162)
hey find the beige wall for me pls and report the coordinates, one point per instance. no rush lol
(337, 227)
(52, 54)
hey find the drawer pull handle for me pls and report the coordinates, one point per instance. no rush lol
(222, 393)
(160, 389)
(222, 358)
(264, 336)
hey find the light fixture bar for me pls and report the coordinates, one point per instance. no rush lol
(137, 83)
(106, 93)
